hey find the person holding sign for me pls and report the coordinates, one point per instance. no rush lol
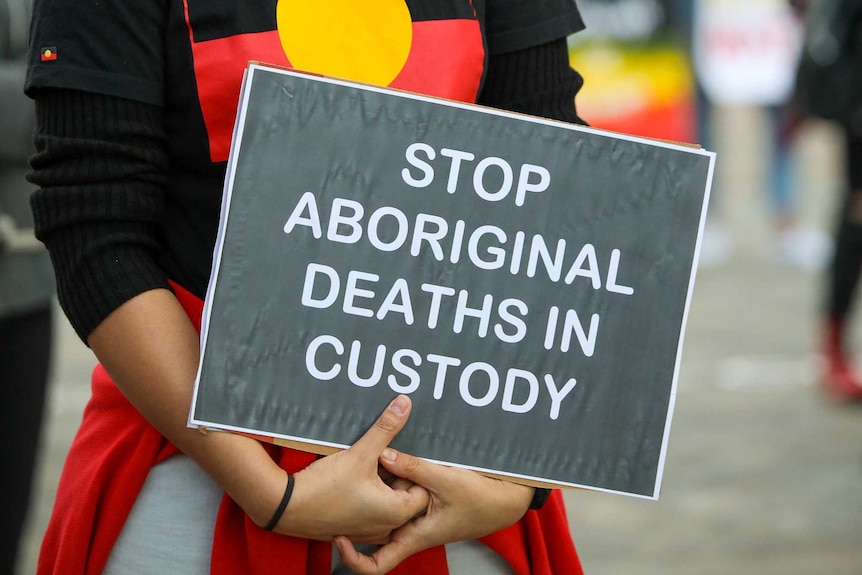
(135, 109)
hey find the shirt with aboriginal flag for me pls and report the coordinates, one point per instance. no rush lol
(188, 57)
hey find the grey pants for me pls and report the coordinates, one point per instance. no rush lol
(170, 529)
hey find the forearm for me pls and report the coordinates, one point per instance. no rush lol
(151, 350)
(101, 165)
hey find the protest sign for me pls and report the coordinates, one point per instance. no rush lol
(525, 281)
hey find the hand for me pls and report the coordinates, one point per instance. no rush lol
(343, 494)
(463, 505)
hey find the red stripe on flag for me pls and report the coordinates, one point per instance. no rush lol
(219, 67)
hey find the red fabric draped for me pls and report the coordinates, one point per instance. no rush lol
(115, 447)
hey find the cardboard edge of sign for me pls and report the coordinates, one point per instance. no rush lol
(329, 450)
(325, 449)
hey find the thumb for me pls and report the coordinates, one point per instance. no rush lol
(384, 430)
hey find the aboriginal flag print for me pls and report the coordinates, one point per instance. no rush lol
(432, 47)
(48, 54)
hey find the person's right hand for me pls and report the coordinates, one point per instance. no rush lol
(343, 494)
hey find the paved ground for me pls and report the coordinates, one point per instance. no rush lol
(763, 475)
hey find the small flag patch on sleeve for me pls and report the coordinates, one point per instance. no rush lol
(49, 53)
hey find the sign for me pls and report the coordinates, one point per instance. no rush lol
(525, 281)
(746, 51)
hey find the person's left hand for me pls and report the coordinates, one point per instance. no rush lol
(463, 505)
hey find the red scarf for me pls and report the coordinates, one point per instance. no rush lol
(115, 447)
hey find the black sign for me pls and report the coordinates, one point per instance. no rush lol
(525, 281)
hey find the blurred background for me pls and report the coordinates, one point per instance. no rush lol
(764, 470)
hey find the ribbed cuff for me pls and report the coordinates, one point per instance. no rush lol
(537, 81)
(95, 278)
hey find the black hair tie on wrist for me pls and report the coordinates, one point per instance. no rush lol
(279, 511)
(540, 496)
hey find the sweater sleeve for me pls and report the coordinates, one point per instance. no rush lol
(100, 167)
(537, 81)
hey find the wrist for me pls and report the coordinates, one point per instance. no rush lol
(285, 500)
(244, 470)
(300, 516)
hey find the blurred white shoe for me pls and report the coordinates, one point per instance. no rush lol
(803, 248)
(716, 245)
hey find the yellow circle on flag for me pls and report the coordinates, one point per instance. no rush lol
(366, 41)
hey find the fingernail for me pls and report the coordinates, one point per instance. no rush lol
(399, 405)
(389, 455)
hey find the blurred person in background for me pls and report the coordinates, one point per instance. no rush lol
(26, 290)
(829, 87)
(744, 53)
